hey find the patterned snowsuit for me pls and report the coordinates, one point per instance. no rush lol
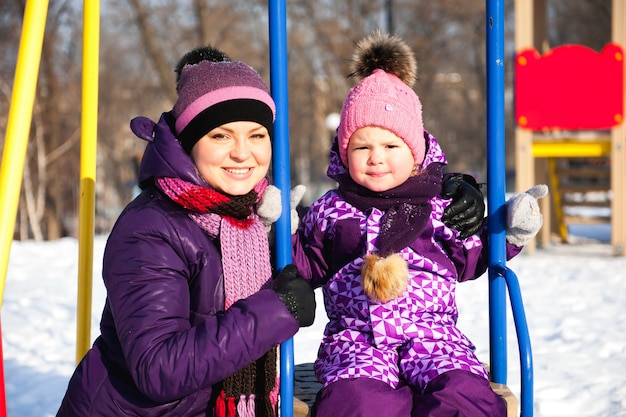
(413, 338)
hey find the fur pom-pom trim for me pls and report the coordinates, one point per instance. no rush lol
(386, 52)
(384, 279)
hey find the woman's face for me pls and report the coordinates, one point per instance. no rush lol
(378, 159)
(234, 157)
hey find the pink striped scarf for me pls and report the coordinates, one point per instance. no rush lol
(247, 269)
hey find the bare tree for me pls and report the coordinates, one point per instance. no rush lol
(54, 112)
(35, 191)
(592, 27)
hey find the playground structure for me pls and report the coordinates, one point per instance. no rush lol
(501, 278)
(569, 109)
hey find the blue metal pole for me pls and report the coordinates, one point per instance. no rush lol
(496, 188)
(280, 161)
(523, 338)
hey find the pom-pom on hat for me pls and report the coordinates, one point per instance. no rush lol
(213, 90)
(384, 96)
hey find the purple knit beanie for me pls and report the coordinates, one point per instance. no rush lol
(384, 96)
(211, 94)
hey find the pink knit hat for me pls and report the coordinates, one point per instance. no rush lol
(384, 96)
(212, 93)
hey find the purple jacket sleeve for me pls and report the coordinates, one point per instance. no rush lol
(175, 341)
(310, 253)
(472, 261)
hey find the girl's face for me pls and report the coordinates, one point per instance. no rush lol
(378, 159)
(234, 157)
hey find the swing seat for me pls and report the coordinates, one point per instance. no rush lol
(306, 387)
(509, 399)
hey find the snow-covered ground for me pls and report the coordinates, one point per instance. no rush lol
(574, 297)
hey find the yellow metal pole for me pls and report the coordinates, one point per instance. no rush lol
(89, 134)
(18, 126)
(557, 199)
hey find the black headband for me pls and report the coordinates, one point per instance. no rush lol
(243, 109)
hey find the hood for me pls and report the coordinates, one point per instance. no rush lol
(434, 153)
(164, 156)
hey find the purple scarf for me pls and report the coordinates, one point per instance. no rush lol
(407, 207)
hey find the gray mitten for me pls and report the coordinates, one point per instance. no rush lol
(294, 199)
(269, 208)
(523, 218)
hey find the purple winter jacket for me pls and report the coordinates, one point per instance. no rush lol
(165, 337)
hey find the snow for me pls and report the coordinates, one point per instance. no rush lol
(573, 296)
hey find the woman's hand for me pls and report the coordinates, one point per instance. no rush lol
(466, 212)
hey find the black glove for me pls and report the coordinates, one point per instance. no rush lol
(297, 294)
(466, 212)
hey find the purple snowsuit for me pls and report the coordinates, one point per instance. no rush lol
(165, 337)
(411, 339)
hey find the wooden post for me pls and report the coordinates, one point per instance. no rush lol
(530, 30)
(618, 145)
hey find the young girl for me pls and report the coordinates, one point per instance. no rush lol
(191, 320)
(387, 262)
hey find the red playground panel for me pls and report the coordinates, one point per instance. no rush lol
(571, 87)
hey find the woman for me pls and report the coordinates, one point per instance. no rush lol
(191, 322)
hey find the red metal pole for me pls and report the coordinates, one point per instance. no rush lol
(3, 402)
